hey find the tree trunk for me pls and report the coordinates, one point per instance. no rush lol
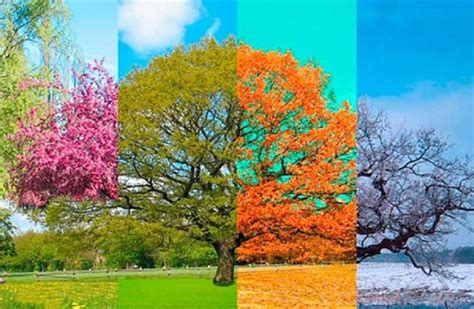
(225, 262)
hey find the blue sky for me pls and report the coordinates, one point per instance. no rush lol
(415, 59)
(315, 29)
(94, 25)
(192, 21)
(402, 42)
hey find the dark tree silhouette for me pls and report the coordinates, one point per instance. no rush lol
(410, 190)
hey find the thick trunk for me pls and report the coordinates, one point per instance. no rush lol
(225, 262)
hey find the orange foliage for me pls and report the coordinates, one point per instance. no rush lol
(294, 170)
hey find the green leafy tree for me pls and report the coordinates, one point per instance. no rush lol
(126, 241)
(7, 246)
(102, 223)
(50, 251)
(34, 252)
(188, 252)
(179, 122)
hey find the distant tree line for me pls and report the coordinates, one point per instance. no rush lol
(122, 243)
(461, 255)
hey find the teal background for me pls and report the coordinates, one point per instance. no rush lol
(319, 30)
(312, 29)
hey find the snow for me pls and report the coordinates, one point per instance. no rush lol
(399, 283)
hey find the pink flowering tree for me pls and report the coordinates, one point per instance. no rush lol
(70, 150)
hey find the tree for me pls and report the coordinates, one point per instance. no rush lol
(70, 150)
(29, 27)
(179, 121)
(125, 241)
(184, 127)
(410, 191)
(298, 169)
(34, 252)
(42, 25)
(7, 246)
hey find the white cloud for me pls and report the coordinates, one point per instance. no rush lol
(214, 27)
(447, 108)
(148, 25)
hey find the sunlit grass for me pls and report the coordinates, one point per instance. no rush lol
(186, 293)
(320, 286)
(84, 289)
(59, 294)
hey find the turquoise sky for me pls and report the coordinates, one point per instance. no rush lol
(318, 29)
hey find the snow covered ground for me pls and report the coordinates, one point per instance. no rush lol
(402, 284)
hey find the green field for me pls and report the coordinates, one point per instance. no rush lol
(194, 272)
(175, 293)
(59, 294)
(178, 288)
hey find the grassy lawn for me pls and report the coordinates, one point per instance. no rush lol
(202, 272)
(328, 286)
(175, 293)
(59, 294)
(177, 288)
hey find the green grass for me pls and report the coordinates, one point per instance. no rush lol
(151, 288)
(175, 293)
(202, 272)
(59, 294)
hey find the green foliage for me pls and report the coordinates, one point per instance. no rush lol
(109, 241)
(7, 246)
(48, 251)
(26, 27)
(179, 121)
(13, 105)
(180, 126)
(187, 252)
(35, 252)
(125, 241)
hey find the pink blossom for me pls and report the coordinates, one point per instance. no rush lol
(72, 151)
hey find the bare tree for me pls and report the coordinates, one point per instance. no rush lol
(410, 190)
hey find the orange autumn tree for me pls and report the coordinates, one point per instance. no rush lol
(297, 164)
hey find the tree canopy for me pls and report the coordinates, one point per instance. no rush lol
(7, 246)
(71, 149)
(179, 121)
(297, 169)
(217, 128)
(29, 27)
